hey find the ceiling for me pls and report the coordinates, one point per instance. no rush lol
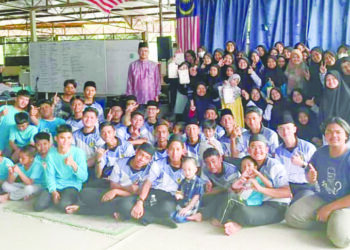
(69, 17)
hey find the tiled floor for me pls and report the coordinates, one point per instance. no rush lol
(19, 231)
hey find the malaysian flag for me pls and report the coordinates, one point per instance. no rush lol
(105, 5)
(187, 30)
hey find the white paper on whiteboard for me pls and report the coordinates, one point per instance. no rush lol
(179, 58)
(172, 70)
(184, 76)
(227, 94)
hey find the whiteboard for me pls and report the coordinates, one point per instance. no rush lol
(104, 62)
(54, 62)
(120, 53)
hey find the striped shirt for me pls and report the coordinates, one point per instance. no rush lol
(123, 149)
(75, 124)
(124, 175)
(164, 177)
(88, 142)
(225, 178)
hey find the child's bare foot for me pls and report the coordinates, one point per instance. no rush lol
(196, 217)
(71, 209)
(216, 223)
(116, 216)
(4, 198)
(232, 228)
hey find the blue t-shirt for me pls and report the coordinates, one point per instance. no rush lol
(35, 171)
(59, 175)
(4, 164)
(23, 138)
(6, 122)
(255, 198)
(333, 174)
(50, 126)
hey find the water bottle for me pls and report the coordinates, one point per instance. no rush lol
(153, 200)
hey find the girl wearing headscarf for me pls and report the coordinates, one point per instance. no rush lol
(329, 63)
(230, 48)
(335, 99)
(275, 109)
(297, 101)
(201, 100)
(314, 88)
(279, 46)
(227, 71)
(231, 90)
(273, 52)
(282, 62)
(274, 73)
(218, 56)
(343, 51)
(201, 52)
(262, 53)
(256, 63)
(228, 61)
(345, 69)
(297, 72)
(287, 53)
(308, 128)
(249, 78)
(213, 81)
(204, 68)
(190, 57)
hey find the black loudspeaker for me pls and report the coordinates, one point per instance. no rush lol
(164, 47)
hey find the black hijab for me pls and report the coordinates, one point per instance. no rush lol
(335, 101)
(314, 88)
(246, 82)
(345, 77)
(276, 74)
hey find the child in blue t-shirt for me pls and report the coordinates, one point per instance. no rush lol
(22, 134)
(189, 193)
(47, 121)
(28, 173)
(5, 163)
(250, 175)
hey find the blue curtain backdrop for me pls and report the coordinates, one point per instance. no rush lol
(315, 22)
(329, 24)
(221, 21)
(275, 20)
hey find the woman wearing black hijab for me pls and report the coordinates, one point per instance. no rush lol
(308, 128)
(262, 53)
(276, 110)
(274, 73)
(314, 87)
(230, 48)
(345, 69)
(336, 97)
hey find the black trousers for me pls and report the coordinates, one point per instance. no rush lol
(69, 196)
